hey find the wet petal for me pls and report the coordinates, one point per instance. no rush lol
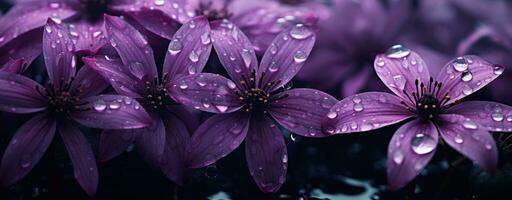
(179, 10)
(206, 92)
(466, 74)
(217, 137)
(111, 68)
(365, 112)
(156, 21)
(234, 50)
(470, 139)
(409, 151)
(491, 115)
(265, 152)
(399, 68)
(18, 94)
(301, 111)
(177, 141)
(114, 142)
(88, 82)
(27, 47)
(112, 112)
(58, 50)
(286, 55)
(189, 49)
(80, 153)
(16, 66)
(26, 148)
(151, 141)
(88, 36)
(132, 47)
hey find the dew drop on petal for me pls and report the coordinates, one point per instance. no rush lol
(246, 56)
(205, 38)
(397, 51)
(356, 99)
(466, 76)
(273, 48)
(236, 129)
(332, 115)
(231, 84)
(467, 90)
(399, 81)
(159, 2)
(458, 139)
(273, 67)
(114, 105)
(358, 107)
(422, 143)
(99, 105)
(468, 124)
(175, 46)
(460, 64)
(398, 157)
(488, 146)
(380, 62)
(300, 32)
(497, 116)
(299, 56)
(137, 69)
(284, 158)
(221, 108)
(498, 69)
(193, 56)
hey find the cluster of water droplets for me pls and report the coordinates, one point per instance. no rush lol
(398, 52)
(101, 105)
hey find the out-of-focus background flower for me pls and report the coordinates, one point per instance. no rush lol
(350, 33)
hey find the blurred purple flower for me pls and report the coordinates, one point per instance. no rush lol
(249, 103)
(14, 66)
(350, 39)
(66, 100)
(134, 73)
(20, 28)
(434, 106)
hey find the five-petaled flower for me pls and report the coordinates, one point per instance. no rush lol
(133, 73)
(435, 108)
(68, 98)
(249, 103)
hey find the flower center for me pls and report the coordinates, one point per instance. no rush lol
(426, 98)
(212, 13)
(256, 96)
(156, 97)
(62, 101)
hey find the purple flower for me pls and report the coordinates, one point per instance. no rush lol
(65, 101)
(20, 30)
(349, 40)
(435, 108)
(134, 73)
(14, 66)
(260, 20)
(250, 102)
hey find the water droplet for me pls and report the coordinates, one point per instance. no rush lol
(137, 69)
(284, 158)
(221, 108)
(497, 116)
(175, 46)
(236, 129)
(159, 2)
(509, 118)
(273, 67)
(422, 143)
(246, 56)
(114, 105)
(273, 48)
(358, 107)
(205, 38)
(353, 125)
(467, 123)
(332, 115)
(183, 86)
(382, 98)
(380, 62)
(399, 81)
(397, 51)
(460, 64)
(498, 69)
(356, 99)
(193, 56)
(299, 56)
(48, 29)
(54, 5)
(96, 33)
(398, 157)
(488, 146)
(99, 105)
(201, 81)
(466, 76)
(458, 139)
(300, 32)
(467, 90)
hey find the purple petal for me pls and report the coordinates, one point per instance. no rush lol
(80, 153)
(18, 94)
(188, 115)
(286, 55)
(179, 10)
(177, 141)
(234, 50)
(27, 47)
(399, 69)
(302, 110)
(217, 137)
(114, 142)
(111, 68)
(156, 21)
(89, 36)
(151, 141)
(409, 151)
(206, 92)
(365, 112)
(112, 112)
(466, 74)
(265, 152)
(132, 47)
(16, 66)
(26, 148)
(58, 53)
(88, 82)
(470, 139)
(189, 49)
(491, 115)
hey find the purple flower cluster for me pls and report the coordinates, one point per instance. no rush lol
(235, 59)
